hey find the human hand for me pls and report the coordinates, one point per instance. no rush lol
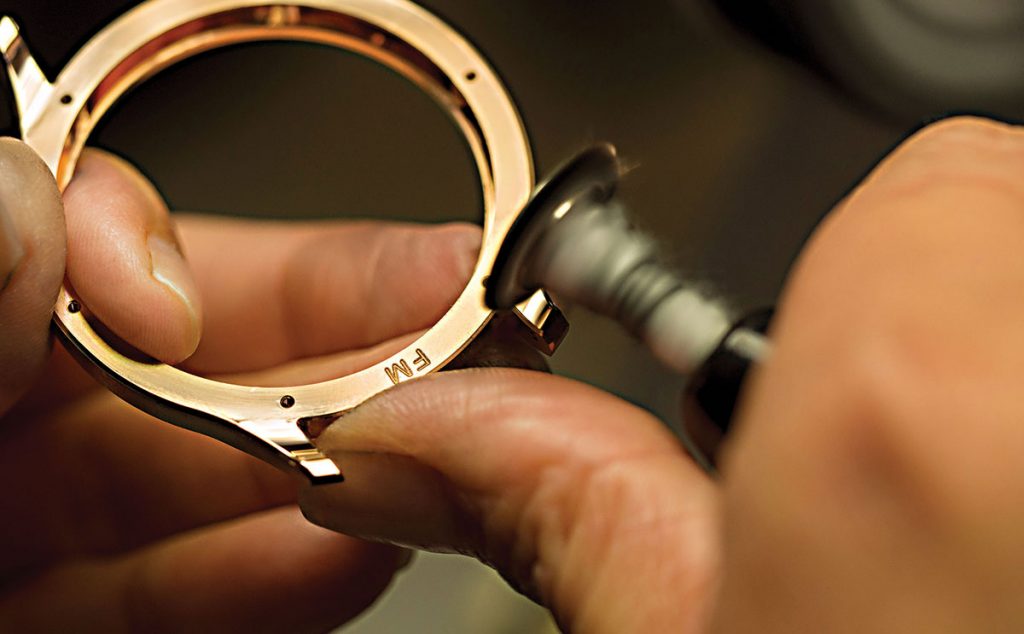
(874, 480)
(115, 522)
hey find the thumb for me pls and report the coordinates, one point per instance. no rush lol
(125, 261)
(579, 499)
(31, 266)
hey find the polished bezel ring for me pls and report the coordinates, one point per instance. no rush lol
(57, 118)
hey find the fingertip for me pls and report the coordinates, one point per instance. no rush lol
(382, 280)
(391, 499)
(462, 241)
(444, 256)
(125, 261)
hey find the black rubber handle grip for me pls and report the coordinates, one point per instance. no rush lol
(714, 390)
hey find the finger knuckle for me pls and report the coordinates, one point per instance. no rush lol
(961, 152)
(964, 130)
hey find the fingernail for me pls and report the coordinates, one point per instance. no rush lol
(11, 250)
(170, 269)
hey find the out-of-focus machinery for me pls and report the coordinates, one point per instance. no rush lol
(912, 59)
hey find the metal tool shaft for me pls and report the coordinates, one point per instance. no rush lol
(595, 259)
(575, 240)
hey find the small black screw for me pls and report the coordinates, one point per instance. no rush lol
(470, 76)
(74, 306)
(66, 99)
(287, 401)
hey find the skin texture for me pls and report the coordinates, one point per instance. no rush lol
(873, 483)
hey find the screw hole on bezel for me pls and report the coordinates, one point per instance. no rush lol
(471, 76)
(66, 99)
(74, 306)
(287, 401)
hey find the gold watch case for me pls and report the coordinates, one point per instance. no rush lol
(58, 116)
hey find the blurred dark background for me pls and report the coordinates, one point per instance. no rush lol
(747, 121)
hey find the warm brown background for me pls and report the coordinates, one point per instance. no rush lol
(739, 153)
